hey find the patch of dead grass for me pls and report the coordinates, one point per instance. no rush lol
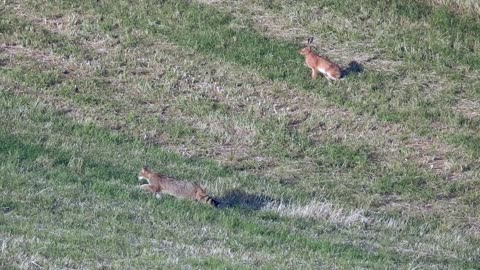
(69, 67)
(457, 6)
(468, 108)
(441, 159)
(319, 210)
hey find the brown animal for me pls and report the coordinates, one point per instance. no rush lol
(320, 64)
(158, 184)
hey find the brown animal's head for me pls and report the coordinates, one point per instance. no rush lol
(307, 50)
(144, 172)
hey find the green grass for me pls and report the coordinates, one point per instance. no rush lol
(376, 171)
(208, 31)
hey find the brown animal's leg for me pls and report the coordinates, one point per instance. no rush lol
(330, 77)
(148, 187)
(314, 73)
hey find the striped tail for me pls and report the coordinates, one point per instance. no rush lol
(212, 202)
(209, 200)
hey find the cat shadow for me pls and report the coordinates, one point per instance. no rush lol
(238, 198)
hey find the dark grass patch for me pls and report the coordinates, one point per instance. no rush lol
(34, 36)
(214, 263)
(33, 76)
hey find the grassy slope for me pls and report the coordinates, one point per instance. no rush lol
(97, 90)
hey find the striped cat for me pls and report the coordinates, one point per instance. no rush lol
(158, 184)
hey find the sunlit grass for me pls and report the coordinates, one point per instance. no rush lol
(375, 171)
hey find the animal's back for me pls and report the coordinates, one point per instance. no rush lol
(180, 189)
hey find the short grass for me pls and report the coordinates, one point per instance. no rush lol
(376, 171)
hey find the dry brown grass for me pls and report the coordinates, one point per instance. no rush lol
(69, 67)
(471, 7)
(321, 211)
(468, 108)
(441, 159)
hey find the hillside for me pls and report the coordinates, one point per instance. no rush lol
(376, 171)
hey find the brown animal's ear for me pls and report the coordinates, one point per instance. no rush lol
(309, 41)
(144, 168)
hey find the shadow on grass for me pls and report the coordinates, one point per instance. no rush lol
(355, 67)
(3, 62)
(238, 198)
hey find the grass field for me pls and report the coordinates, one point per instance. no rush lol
(377, 171)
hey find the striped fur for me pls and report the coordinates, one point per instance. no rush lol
(159, 184)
